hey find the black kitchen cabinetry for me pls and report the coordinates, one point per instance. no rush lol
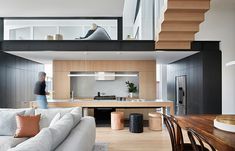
(17, 79)
(203, 72)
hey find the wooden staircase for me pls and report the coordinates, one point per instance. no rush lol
(181, 22)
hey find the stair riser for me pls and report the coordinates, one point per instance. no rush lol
(190, 4)
(182, 16)
(181, 26)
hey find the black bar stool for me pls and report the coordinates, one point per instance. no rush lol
(136, 123)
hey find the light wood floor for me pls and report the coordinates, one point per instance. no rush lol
(123, 140)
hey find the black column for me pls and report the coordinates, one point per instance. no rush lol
(1, 29)
(120, 28)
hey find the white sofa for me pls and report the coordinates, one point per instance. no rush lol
(71, 132)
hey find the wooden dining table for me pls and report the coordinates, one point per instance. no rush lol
(203, 124)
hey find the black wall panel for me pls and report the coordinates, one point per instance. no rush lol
(17, 79)
(203, 71)
(1, 28)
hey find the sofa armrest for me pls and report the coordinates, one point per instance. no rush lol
(81, 138)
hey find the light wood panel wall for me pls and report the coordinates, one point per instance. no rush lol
(146, 69)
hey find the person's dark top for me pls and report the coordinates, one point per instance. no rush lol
(40, 87)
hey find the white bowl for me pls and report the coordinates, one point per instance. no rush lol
(224, 126)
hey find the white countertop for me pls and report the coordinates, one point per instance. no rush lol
(134, 100)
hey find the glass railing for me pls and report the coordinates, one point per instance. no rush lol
(60, 29)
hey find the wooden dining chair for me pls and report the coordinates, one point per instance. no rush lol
(175, 132)
(192, 134)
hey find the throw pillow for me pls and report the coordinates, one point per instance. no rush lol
(8, 122)
(61, 129)
(55, 119)
(27, 126)
(48, 114)
(76, 113)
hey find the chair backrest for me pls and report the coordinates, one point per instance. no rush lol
(175, 133)
(192, 134)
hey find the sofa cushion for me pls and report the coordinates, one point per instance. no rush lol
(76, 113)
(41, 142)
(27, 125)
(8, 122)
(55, 119)
(28, 111)
(61, 129)
(7, 142)
(81, 138)
(48, 114)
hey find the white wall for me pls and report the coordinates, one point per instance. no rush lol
(219, 25)
(143, 22)
(66, 8)
(162, 73)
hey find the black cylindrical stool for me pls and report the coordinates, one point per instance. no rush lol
(136, 123)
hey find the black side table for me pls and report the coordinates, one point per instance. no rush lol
(136, 123)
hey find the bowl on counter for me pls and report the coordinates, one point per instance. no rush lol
(225, 123)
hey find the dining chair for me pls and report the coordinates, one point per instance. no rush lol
(175, 132)
(192, 134)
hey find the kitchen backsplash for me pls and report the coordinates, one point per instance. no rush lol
(87, 87)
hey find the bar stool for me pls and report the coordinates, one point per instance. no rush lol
(117, 120)
(136, 123)
(155, 121)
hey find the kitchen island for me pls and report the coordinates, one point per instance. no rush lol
(85, 104)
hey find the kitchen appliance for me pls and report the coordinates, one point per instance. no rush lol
(101, 96)
(181, 95)
(102, 115)
(105, 97)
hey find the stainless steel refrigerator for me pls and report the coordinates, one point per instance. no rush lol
(181, 95)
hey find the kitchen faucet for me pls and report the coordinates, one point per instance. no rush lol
(72, 95)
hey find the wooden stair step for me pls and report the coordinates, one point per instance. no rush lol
(189, 4)
(183, 16)
(180, 26)
(176, 36)
(173, 45)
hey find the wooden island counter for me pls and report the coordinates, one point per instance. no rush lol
(109, 103)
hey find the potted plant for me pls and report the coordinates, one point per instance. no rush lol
(131, 88)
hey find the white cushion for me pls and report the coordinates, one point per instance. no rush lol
(61, 129)
(81, 138)
(76, 113)
(55, 119)
(28, 111)
(48, 114)
(7, 142)
(41, 142)
(8, 122)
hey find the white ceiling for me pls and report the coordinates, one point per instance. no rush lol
(60, 8)
(166, 57)
(46, 57)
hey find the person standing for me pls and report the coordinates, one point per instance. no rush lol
(40, 91)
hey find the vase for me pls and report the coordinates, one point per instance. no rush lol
(131, 95)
